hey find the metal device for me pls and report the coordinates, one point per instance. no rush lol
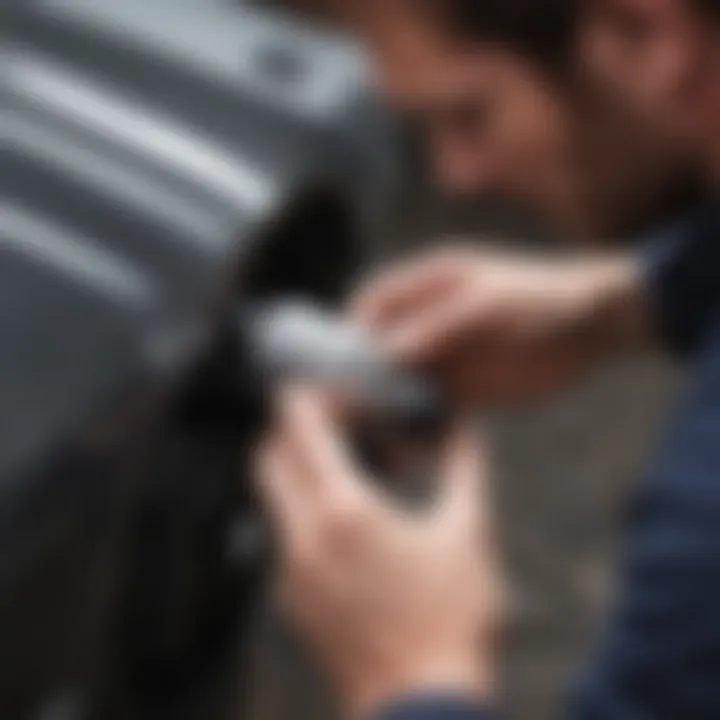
(164, 164)
(294, 340)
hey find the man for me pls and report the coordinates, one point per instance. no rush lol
(594, 111)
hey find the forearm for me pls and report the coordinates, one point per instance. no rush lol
(617, 312)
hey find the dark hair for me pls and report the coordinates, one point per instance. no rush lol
(541, 29)
(710, 8)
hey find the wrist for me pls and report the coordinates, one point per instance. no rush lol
(616, 306)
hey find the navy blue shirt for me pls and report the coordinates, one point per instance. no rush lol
(660, 654)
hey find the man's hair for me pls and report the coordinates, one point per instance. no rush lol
(710, 8)
(540, 29)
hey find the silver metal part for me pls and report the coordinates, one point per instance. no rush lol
(296, 340)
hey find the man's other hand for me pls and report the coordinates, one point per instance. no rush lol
(499, 328)
(393, 602)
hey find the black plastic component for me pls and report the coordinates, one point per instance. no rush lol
(161, 162)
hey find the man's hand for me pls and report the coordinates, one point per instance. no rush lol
(392, 602)
(496, 328)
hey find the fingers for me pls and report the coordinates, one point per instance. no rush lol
(281, 490)
(305, 469)
(464, 475)
(314, 440)
(408, 290)
(426, 336)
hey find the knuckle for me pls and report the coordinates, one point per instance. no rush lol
(345, 522)
(303, 557)
(295, 402)
(265, 460)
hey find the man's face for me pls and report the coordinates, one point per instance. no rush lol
(499, 124)
(661, 59)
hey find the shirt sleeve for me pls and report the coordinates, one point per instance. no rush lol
(682, 270)
(434, 707)
(659, 657)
